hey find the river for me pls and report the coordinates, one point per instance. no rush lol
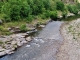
(44, 45)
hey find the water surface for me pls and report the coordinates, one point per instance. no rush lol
(44, 45)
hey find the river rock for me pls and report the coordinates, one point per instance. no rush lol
(19, 43)
(2, 49)
(14, 42)
(42, 26)
(2, 53)
(70, 14)
(11, 52)
(20, 35)
(23, 42)
(28, 39)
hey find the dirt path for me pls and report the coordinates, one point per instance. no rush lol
(70, 50)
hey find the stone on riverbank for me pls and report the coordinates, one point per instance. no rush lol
(28, 39)
(9, 43)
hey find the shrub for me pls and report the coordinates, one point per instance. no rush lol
(46, 4)
(4, 31)
(6, 18)
(15, 12)
(73, 9)
(53, 15)
(78, 6)
(29, 18)
(25, 11)
(46, 14)
(23, 27)
(60, 5)
(37, 7)
(1, 28)
(64, 14)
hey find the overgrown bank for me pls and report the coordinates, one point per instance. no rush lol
(16, 12)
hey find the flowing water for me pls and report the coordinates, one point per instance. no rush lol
(44, 45)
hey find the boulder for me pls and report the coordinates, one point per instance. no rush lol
(19, 43)
(9, 52)
(28, 39)
(2, 53)
(42, 26)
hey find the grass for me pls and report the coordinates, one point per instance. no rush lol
(4, 27)
(1, 42)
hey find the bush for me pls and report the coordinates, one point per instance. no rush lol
(25, 11)
(15, 12)
(45, 15)
(64, 14)
(53, 15)
(23, 27)
(60, 5)
(36, 6)
(73, 9)
(6, 18)
(4, 31)
(1, 28)
(29, 18)
(78, 6)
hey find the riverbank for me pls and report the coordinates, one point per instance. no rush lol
(44, 45)
(70, 50)
(9, 43)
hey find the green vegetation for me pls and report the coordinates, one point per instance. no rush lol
(64, 14)
(73, 9)
(60, 5)
(23, 27)
(53, 15)
(12, 12)
(1, 42)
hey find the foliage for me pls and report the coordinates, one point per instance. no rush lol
(60, 5)
(4, 31)
(14, 10)
(23, 27)
(53, 15)
(64, 14)
(78, 6)
(25, 11)
(73, 9)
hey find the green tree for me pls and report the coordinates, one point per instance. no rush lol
(60, 5)
(15, 12)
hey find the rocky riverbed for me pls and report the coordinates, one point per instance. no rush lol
(70, 50)
(8, 44)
